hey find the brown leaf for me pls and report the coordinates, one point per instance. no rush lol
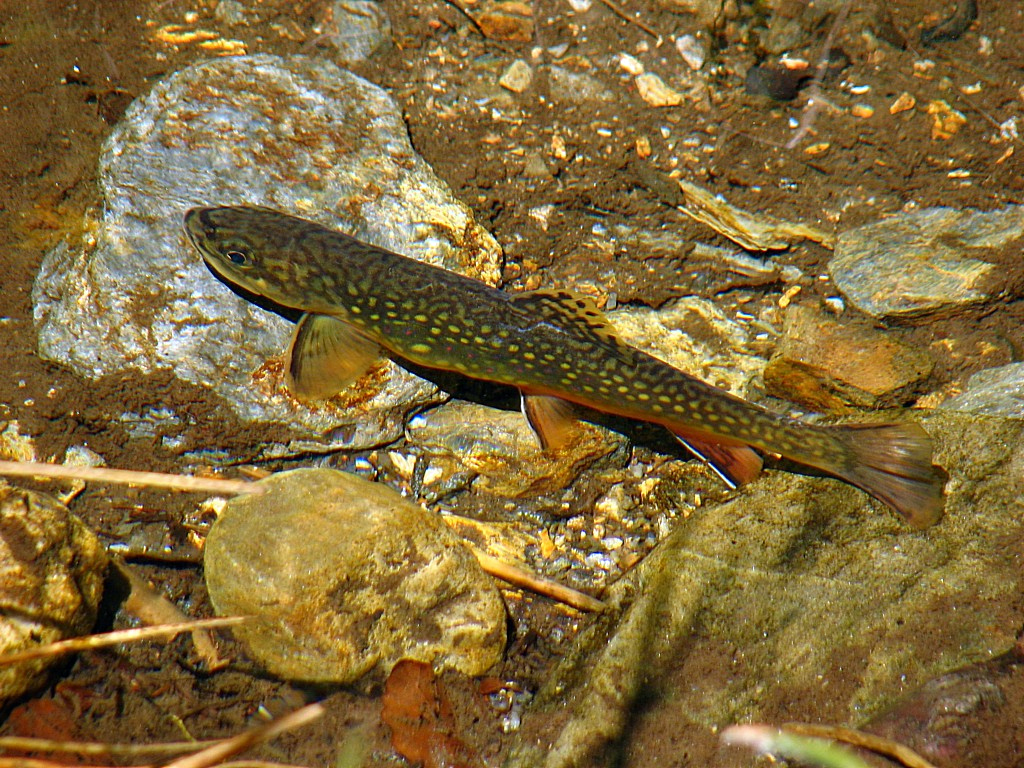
(419, 715)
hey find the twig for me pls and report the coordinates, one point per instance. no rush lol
(814, 98)
(101, 749)
(465, 12)
(523, 578)
(232, 746)
(105, 639)
(626, 17)
(128, 477)
(869, 741)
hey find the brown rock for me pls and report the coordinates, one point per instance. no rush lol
(507, 20)
(828, 365)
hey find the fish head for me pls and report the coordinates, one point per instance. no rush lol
(252, 248)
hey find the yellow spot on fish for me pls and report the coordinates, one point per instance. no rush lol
(391, 315)
(355, 310)
(421, 318)
(435, 331)
(664, 399)
(623, 390)
(513, 348)
(375, 317)
(454, 329)
(529, 356)
(643, 396)
(421, 349)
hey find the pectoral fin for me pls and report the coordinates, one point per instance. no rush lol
(327, 355)
(553, 420)
(735, 464)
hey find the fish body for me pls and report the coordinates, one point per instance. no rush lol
(556, 348)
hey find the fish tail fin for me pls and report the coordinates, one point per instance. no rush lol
(893, 463)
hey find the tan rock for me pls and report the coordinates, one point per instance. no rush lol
(51, 581)
(344, 578)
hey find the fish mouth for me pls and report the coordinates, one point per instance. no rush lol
(197, 231)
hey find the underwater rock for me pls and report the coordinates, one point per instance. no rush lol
(928, 262)
(51, 581)
(992, 392)
(789, 588)
(828, 365)
(344, 578)
(298, 134)
(356, 29)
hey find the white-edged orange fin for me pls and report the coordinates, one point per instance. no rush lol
(569, 311)
(326, 356)
(553, 420)
(735, 464)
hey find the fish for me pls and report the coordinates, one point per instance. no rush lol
(360, 302)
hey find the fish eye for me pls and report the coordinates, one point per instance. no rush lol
(240, 257)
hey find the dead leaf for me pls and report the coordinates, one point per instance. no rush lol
(419, 715)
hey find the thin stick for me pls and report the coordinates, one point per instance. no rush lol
(814, 97)
(626, 17)
(128, 477)
(101, 749)
(869, 741)
(217, 753)
(523, 578)
(90, 642)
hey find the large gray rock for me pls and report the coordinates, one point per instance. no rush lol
(343, 578)
(298, 134)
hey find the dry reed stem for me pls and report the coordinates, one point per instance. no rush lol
(216, 753)
(128, 477)
(878, 744)
(106, 639)
(101, 749)
(523, 578)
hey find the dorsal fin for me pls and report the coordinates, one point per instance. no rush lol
(570, 312)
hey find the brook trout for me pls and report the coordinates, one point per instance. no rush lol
(361, 301)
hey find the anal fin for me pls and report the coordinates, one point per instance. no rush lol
(326, 356)
(735, 464)
(553, 420)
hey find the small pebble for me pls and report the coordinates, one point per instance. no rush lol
(692, 50)
(655, 92)
(517, 77)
